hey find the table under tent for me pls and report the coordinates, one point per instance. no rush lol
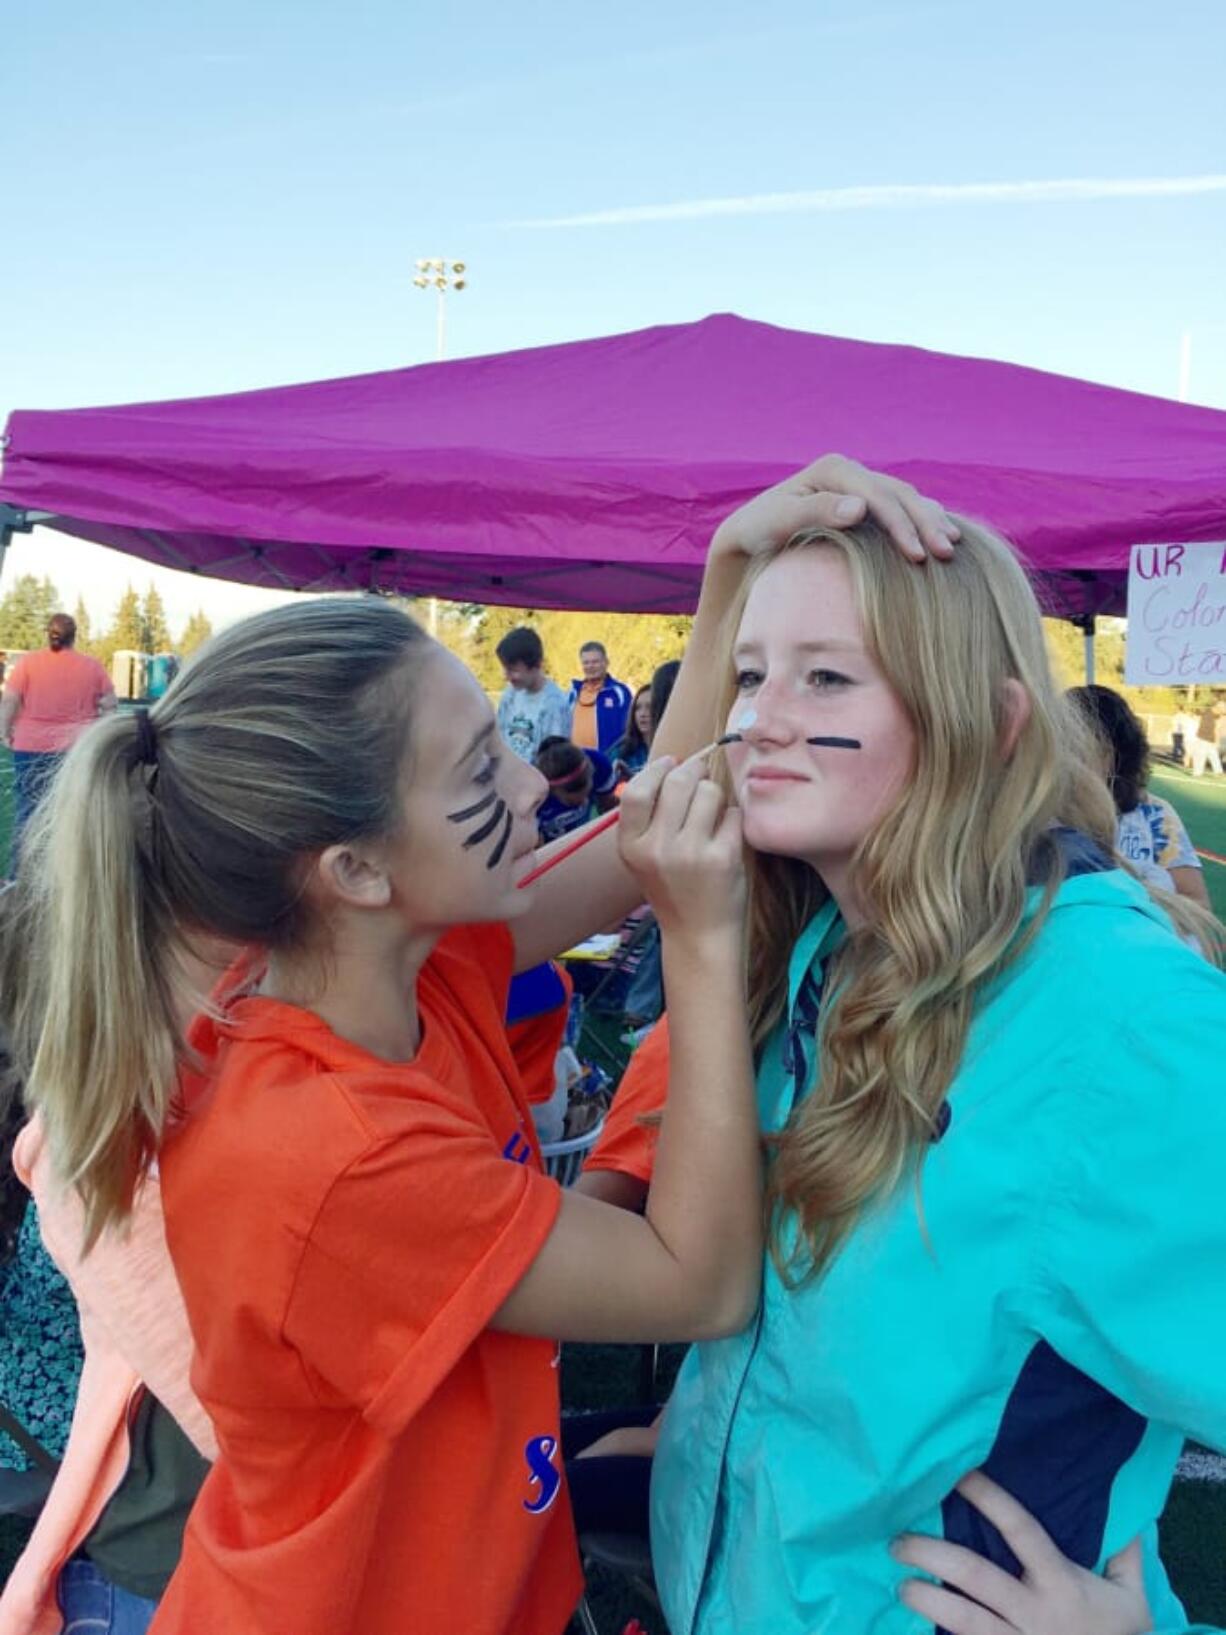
(591, 474)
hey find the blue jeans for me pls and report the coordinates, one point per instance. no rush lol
(92, 1605)
(32, 775)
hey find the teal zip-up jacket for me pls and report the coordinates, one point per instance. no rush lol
(1057, 1318)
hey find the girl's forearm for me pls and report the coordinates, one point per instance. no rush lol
(689, 721)
(705, 1202)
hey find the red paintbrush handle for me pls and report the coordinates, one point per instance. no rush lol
(588, 832)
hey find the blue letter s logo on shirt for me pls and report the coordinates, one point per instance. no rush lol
(539, 1452)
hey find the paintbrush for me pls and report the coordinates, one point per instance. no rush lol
(590, 831)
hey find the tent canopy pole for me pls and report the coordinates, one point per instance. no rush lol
(1086, 623)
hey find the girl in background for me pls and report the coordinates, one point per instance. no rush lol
(1148, 829)
(630, 751)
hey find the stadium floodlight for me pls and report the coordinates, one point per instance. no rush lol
(442, 276)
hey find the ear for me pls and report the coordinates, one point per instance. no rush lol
(1015, 715)
(350, 877)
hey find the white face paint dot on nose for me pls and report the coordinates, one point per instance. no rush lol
(745, 720)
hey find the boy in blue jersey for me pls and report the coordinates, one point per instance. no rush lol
(581, 786)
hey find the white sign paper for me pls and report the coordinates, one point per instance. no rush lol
(1176, 615)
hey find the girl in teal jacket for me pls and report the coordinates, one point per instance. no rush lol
(990, 1081)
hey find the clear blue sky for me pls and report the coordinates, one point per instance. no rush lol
(206, 198)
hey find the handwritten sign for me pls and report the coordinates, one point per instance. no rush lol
(1176, 615)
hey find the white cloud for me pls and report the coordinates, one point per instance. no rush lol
(893, 197)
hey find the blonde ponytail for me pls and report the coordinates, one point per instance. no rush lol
(196, 822)
(98, 1017)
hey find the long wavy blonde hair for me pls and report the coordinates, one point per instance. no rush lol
(944, 872)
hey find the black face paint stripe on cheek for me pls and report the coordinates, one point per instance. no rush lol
(471, 811)
(835, 743)
(495, 857)
(488, 827)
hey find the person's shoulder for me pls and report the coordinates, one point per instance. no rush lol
(554, 693)
(476, 946)
(1107, 952)
(1157, 809)
(474, 963)
(279, 1111)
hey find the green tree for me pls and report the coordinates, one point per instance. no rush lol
(24, 612)
(84, 624)
(127, 631)
(157, 630)
(1066, 650)
(196, 632)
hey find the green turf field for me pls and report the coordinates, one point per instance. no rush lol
(1201, 803)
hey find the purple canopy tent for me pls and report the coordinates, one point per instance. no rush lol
(591, 475)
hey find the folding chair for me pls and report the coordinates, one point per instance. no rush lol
(627, 1556)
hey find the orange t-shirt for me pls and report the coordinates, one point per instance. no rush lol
(583, 728)
(59, 695)
(625, 1145)
(343, 1229)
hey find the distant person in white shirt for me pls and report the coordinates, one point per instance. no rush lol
(532, 708)
(1183, 730)
(1204, 744)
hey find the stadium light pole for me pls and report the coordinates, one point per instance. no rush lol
(440, 276)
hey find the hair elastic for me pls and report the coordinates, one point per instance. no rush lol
(146, 739)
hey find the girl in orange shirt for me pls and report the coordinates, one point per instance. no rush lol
(374, 1267)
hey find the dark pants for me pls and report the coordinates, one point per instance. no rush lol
(609, 1494)
(645, 995)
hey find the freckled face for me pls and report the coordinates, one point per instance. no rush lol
(469, 809)
(804, 670)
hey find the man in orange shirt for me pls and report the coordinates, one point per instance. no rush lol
(600, 705)
(50, 697)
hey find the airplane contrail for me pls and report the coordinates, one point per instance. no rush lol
(892, 197)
